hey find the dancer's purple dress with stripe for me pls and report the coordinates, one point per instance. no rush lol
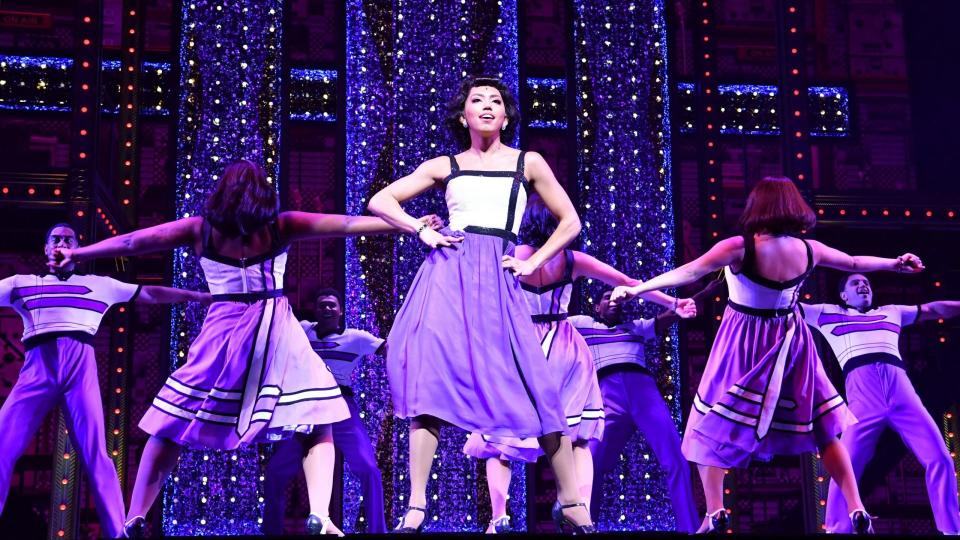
(463, 348)
(764, 391)
(251, 375)
(569, 361)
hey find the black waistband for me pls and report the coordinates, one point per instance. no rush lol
(48, 337)
(759, 312)
(872, 358)
(622, 367)
(548, 317)
(489, 231)
(249, 297)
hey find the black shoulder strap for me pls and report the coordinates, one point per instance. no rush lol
(454, 166)
(520, 163)
(749, 254)
(205, 232)
(568, 273)
(274, 228)
(809, 255)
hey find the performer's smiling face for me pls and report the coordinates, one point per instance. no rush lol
(606, 311)
(484, 110)
(328, 310)
(857, 292)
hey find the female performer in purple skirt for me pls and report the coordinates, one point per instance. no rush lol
(547, 292)
(246, 378)
(463, 349)
(764, 391)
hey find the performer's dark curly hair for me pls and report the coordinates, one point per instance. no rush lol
(455, 110)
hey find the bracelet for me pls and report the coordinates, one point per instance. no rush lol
(420, 230)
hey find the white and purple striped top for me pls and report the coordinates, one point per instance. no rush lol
(49, 303)
(342, 351)
(620, 344)
(856, 337)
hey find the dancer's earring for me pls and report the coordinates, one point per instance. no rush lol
(463, 121)
(504, 126)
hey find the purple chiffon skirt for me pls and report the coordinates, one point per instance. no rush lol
(463, 348)
(571, 363)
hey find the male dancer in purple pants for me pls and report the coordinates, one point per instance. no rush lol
(61, 312)
(632, 401)
(879, 393)
(340, 349)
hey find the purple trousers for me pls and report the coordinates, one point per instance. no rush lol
(881, 396)
(350, 437)
(62, 372)
(632, 401)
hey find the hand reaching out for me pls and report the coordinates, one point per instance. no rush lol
(686, 308)
(908, 263)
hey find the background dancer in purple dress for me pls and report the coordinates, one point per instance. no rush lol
(547, 292)
(865, 341)
(764, 391)
(61, 312)
(463, 349)
(632, 401)
(341, 349)
(245, 379)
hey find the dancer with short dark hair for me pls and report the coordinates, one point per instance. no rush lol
(245, 379)
(764, 391)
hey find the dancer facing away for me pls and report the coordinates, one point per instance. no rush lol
(463, 349)
(245, 379)
(341, 349)
(547, 292)
(764, 391)
(61, 312)
(632, 401)
(865, 341)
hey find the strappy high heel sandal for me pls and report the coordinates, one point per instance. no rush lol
(563, 522)
(402, 527)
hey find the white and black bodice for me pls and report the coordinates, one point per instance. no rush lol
(247, 279)
(751, 293)
(486, 202)
(550, 302)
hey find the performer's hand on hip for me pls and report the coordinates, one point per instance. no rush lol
(434, 239)
(518, 267)
(432, 220)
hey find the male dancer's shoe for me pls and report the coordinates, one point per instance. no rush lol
(135, 528)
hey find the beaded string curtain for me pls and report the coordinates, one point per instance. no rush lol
(623, 136)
